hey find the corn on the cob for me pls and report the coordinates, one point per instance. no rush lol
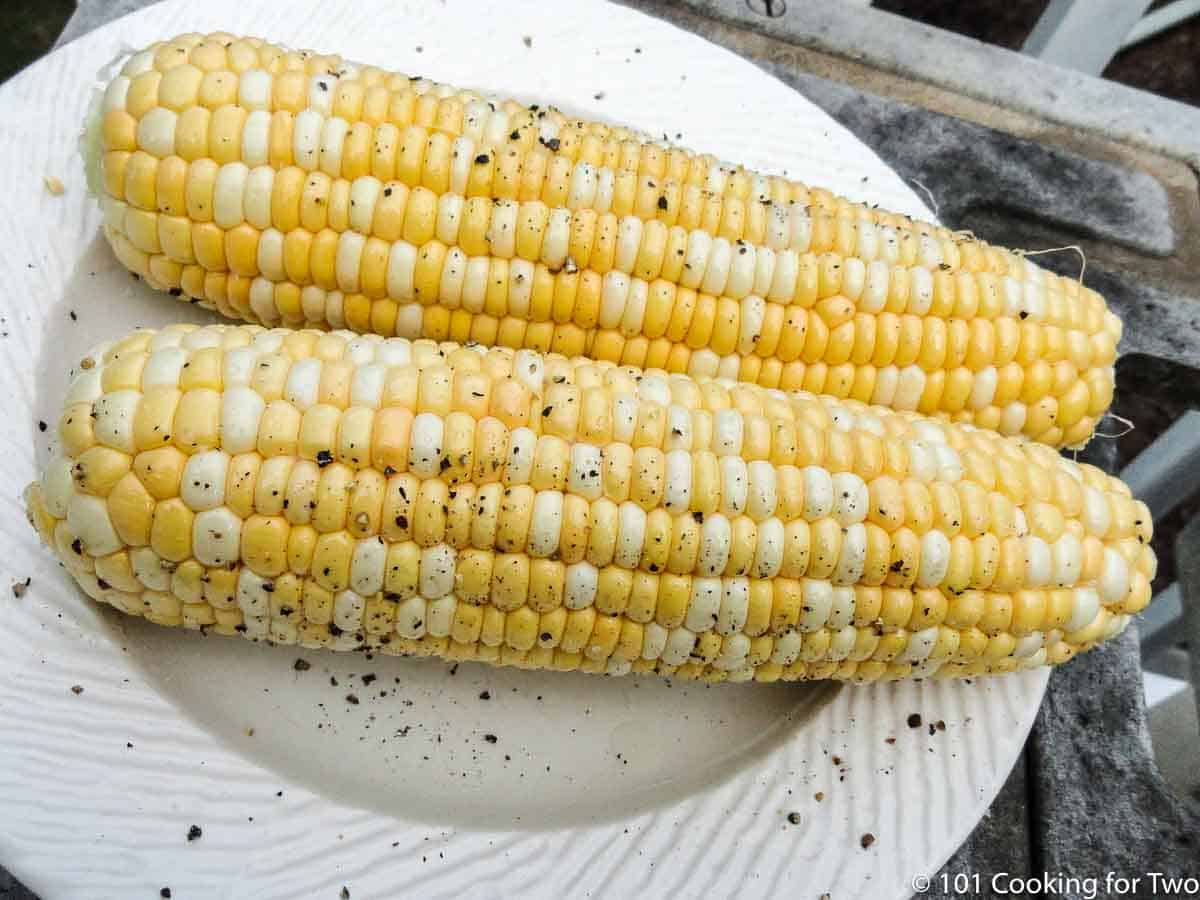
(291, 188)
(345, 491)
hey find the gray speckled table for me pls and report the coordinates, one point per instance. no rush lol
(994, 137)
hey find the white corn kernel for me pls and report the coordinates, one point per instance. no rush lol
(203, 483)
(436, 577)
(816, 604)
(425, 448)
(582, 581)
(216, 536)
(704, 609)
(87, 517)
(545, 524)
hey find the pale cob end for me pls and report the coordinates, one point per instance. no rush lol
(343, 491)
(293, 188)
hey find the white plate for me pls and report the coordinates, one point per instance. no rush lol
(607, 786)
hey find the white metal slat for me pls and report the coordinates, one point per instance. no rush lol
(1083, 34)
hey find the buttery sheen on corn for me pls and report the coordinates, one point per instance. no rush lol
(290, 188)
(346, 491)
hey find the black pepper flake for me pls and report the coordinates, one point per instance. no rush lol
(793, 818)
(1024, 314)
(515, 136)
(77, 546)
(324, 458)
(345, 894)
(302, 665)
(490, 738)
(74, 318)
(482, 158)
(42, 426)
(401, 521)
(77, 689)
(165, 893)
(387, 192)
(527, 41)
(20, 587)
(662, 203)
(352, 699)
(547, 411)
(485, 695)
(194, 833)
(369, 677)
(867, 840)
(914, 720)
(546, 636)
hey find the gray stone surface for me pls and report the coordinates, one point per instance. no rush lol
(979, 167)
(1187, 552)
(11, 889)
(1159, 321)
(1101, 804)
(891, 43)
(91, 14)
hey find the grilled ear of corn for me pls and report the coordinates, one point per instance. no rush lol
(290, 188)
(345, 491)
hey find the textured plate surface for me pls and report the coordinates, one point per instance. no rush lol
(607, 786)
